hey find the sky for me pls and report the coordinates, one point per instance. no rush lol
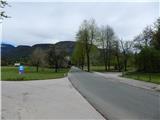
(50, 22)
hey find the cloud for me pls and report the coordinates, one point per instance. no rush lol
(49, 22)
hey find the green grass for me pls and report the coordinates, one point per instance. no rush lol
(148, 77)
(100, 69)
(11, 73)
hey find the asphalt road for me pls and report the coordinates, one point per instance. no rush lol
(116, 100)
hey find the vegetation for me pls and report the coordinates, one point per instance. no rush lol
(11, 73)
(102, 46)
(98, 68)
(142, 54)
(56, 57)
(44, 61)
(106, 41)
(22, 53)
(147, 77)
(85, 37)
(37, 58)
(78, 57)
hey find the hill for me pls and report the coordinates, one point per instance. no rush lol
(12, 54)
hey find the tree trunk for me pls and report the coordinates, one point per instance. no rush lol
(56, 66)
(125, 64)
(118, 62)
(37, 68)
(105, 66)
(88, 62)
(109, 56)
(82, 67)
(104, 59)
(109, 63)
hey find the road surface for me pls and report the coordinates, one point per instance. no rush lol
(44, 100)
(116, 100)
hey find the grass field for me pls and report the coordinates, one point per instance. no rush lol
(11, 73)
(99, 68)
(148, 77)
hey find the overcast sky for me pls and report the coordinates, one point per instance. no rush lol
(50, 22)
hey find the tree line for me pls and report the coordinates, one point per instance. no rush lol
(100, 46)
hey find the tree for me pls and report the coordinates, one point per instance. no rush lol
(126, 50)
(55, 57)
(78, 56)
(117, 53)
(147, 35)
(156, 35)
(37, 58)
(144, 39)
(106, 39)
(87, 34)
(148, 60)
(102, 44)
(148, 54)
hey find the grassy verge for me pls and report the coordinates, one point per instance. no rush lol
(148, 77)
(11, 73)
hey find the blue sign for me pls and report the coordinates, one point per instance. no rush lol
(21, 69)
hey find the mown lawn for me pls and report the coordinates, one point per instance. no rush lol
(148, 77)
(11, 73)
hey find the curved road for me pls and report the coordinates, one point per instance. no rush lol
(116, 100)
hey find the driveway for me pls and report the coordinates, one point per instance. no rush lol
(44, 99)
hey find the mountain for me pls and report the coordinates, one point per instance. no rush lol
(42, 46)
(68, 46)
(6, 49)
(12, 53)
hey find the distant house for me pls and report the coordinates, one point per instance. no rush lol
(16, 64)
